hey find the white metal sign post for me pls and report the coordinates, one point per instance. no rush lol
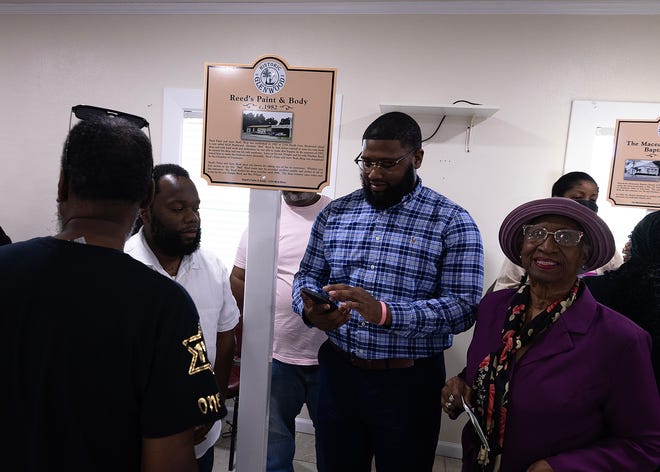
(258, 309)
(268, 127)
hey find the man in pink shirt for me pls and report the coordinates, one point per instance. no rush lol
(294, 378)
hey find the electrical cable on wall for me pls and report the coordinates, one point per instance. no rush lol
(445, 116)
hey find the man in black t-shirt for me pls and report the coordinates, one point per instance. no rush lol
(104, 364)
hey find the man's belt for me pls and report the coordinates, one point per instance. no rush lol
(373, 364)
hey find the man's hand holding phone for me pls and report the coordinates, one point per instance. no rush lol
(321, 311)
(319, 298)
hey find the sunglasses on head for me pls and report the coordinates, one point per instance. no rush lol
(90, 113)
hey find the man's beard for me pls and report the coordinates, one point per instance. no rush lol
(169, 242)
(393, 193)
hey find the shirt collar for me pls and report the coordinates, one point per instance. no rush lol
(148, 258)
(414, 193)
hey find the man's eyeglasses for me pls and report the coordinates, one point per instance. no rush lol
(90, 113)
(563, 237)
(367, 164)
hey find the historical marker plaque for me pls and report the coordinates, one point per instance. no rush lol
(268, 125)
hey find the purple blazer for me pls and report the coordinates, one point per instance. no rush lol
(583, 397)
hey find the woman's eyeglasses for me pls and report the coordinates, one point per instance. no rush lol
(386, 165)
(563, 237)
(90, 113)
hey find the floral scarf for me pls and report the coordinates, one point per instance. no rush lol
(491, 384)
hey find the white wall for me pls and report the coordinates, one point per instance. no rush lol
(530, 66)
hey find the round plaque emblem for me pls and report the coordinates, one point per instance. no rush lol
(269, 77)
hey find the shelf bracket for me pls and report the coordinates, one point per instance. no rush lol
(468, 133)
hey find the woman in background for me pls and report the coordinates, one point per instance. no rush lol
(634, 288)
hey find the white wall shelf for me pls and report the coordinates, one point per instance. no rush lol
(474, 113)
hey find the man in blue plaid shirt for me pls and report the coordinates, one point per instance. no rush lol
(404, 264)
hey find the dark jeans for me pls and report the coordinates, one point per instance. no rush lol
(291, 386)
(205, 463)
(391, 414)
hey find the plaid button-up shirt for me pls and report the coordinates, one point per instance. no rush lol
(423, 257)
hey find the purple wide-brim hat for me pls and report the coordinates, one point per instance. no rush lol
(596, 230)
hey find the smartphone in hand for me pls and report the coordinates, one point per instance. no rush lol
(319, 298)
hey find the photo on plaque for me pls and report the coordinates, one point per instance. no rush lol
(267, 126)
(643, 170)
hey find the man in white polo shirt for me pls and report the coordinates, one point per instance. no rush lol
(168, 242)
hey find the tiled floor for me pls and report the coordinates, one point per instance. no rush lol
(305, 458)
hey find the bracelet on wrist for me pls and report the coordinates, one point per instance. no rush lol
(383, 314)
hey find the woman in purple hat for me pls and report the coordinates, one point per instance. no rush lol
(582, 188)
(557, 381)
